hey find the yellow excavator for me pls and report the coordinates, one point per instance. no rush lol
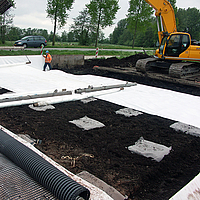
(174, 47)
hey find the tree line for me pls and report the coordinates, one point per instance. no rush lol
(139, 28)
(187, 20)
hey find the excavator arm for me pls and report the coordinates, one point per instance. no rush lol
(166, 21)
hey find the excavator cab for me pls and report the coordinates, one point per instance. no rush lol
(174, 44)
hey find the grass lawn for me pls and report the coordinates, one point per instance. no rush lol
(102, 51)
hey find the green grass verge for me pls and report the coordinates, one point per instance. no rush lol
(100, 46)
(120, 54)
(76, 45)
(102, 51)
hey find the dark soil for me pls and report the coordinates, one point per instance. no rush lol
(103, 151)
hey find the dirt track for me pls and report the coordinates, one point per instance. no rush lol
(131, 174)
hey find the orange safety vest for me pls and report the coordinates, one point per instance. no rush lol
(48, 58)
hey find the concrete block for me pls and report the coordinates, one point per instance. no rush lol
(67, 61)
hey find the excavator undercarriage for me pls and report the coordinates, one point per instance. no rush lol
(173, 68)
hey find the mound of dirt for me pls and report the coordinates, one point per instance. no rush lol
(103, 151)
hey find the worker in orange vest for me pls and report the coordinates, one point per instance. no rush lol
(48, 60)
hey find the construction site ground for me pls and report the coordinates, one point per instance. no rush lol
(103, 152)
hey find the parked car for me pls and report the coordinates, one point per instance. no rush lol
(31, 41)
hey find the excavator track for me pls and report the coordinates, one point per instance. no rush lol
(142, 65)
(176, 70)
(181, 70)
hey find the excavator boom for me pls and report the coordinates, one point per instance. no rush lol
(164, 12)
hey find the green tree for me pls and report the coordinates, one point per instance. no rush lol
(181, 19)
(57, 11)
(42, 32)
(118, 31)
(83, 27)
(52, 37)
(173, 3)
(14, 33)
(126, 38)
(139, 16)
(71, 37)
(64, 36)
(101, 37)
(102, 14)
(189, 21)
(6, 20)
(148, 37)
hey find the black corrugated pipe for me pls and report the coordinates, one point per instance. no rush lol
(62, 186)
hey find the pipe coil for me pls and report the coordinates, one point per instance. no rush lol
(62, 186)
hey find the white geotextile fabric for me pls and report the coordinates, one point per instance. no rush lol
(23, 78)
(185, 128)
(87, 123)
(128, 112)
(150, 149)
(172, 105)
(6, 61)
(30, 78)
(36, 61)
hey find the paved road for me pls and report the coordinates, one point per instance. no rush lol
(85, 49)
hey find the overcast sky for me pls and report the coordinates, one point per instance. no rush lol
(32, 13)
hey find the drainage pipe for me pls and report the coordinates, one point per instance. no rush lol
(108, 87)
(35, 96)
(62, 186)
(58, 99)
